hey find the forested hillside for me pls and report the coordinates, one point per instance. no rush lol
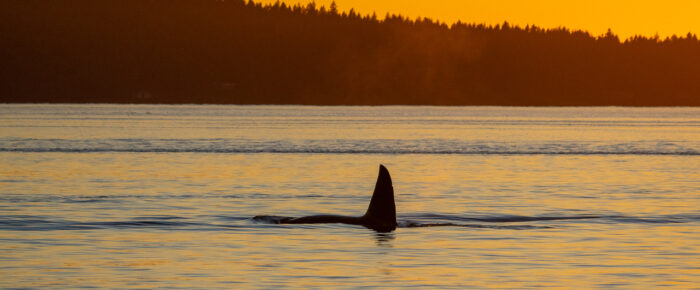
(236, 52)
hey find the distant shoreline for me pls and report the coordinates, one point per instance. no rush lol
(243, 52)
(315, 105)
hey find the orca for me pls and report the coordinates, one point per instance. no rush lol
(380, 215)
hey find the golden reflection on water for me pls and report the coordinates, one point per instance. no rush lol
(207, 240)
(576, 254)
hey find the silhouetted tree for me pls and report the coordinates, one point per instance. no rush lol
(333, 8)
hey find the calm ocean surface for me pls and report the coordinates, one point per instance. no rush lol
(132, 196)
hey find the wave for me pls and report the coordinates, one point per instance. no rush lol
(121, 198)
(474, 226)
(330, 151)
(38, 223)
(505, 218)
(516, 219)
(349, 146)
(506, 222)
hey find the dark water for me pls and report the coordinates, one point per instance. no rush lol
(164, 196)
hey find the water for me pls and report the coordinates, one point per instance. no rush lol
(127, 196)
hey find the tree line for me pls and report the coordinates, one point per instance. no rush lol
(238, 52)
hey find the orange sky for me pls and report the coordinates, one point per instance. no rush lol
(625, 18)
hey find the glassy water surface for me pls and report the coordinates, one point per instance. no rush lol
(131, 196)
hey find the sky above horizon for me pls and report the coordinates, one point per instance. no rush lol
(625, 18)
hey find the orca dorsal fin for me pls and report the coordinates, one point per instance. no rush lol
(382, 208)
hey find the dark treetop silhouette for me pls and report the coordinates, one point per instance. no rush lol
(236, 52)
(380, 215)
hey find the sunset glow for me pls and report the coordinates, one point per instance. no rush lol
(625, 18)
(264, 144)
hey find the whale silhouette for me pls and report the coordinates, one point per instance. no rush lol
(380, 215)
